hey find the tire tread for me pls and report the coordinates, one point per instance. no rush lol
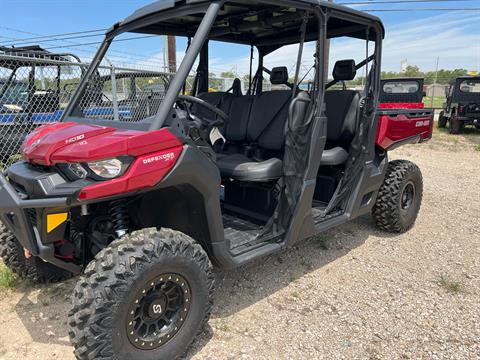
(386, 211)
(110, 274)
(33, 269)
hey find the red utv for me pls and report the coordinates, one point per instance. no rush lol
(401, 101)
(143, 209)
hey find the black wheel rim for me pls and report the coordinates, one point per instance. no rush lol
(158, 311)
(408, 197)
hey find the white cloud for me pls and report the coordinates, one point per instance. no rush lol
(454, 37)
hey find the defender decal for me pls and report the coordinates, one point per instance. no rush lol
(164, 157)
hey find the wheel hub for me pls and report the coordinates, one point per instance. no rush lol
(155, 307)
(158, 311)
(408, 196)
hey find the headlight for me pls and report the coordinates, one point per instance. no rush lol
(108, 169)
(78, 170)
(97, 170)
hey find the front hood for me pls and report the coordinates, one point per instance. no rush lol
(73, 142)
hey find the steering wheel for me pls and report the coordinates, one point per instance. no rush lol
(217, 122)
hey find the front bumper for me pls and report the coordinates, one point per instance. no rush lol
(16, 214)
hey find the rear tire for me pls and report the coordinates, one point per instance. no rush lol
(120, 303)
(455, 125)
(34, 269)
(399, 198)
(442, 120)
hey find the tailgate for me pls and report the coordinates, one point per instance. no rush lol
(398, 127)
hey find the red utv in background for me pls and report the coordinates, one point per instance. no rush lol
(402, 116)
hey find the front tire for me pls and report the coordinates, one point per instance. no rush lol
(399, 198)
(145, 297)
(34, 269)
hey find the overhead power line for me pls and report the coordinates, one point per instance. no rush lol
(17, 43)
(99, 42)
(76, 45)
(62, 36)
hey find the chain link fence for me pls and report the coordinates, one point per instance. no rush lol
(35, 89)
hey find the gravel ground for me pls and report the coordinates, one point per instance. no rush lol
(354, 293)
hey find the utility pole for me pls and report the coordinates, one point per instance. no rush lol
(172, 53)
(435, 81)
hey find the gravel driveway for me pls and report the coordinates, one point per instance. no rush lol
(354, 293)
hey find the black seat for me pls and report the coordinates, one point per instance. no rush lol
(341, 107)
(221, 100)
(242, 168)
(258, 156)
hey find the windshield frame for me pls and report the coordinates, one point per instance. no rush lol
(211, 10)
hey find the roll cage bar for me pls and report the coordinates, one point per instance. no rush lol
(168, 17)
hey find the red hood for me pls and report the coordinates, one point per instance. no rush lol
(72, 142)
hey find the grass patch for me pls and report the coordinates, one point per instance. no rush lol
(477, 147)
(7, 279)
(449, 285)
(437, 102)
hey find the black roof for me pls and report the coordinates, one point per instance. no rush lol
(466, 77)
(250, 22)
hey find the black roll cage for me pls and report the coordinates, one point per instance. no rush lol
(455, 94)
(323, 12)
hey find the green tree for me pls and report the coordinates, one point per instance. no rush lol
(444, 76)
(227, 74)
(412, 71)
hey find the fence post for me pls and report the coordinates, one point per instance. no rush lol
(114, 92)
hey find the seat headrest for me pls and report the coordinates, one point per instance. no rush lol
(237, 87)
(344, 70)
(279, 75)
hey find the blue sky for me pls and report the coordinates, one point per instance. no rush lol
(418, 37)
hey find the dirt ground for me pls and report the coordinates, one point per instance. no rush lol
(354, 293)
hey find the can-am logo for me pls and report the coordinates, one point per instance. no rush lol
(422, 123)
(75, 139)
(163, 157)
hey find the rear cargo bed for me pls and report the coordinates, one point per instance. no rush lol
(397, 127)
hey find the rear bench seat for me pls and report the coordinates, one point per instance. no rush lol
(255, 137)
(255, 133)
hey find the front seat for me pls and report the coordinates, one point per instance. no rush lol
(242, 168)
(341, 109)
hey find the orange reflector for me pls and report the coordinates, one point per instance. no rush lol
(55, 220)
